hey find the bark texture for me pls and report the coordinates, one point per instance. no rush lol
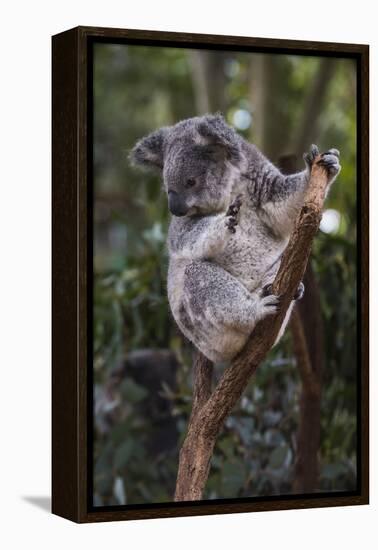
(211, 408)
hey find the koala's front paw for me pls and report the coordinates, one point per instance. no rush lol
(329, 160)
(232, 214)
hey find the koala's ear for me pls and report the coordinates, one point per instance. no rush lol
(213, 130)
(149, 151)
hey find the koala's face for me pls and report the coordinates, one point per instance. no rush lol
(197, 158)
(195, 178)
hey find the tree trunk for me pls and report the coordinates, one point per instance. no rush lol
(313, 106)
(258, 98)
(307, 332)
(209, 80)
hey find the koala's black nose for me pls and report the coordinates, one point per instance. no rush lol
(176, 204)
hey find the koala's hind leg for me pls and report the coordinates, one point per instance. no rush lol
(217, 312)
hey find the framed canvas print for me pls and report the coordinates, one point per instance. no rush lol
(210, 274)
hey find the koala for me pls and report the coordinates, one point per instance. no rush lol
(232, 216)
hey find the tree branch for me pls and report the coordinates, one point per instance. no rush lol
(308, 347)
(202, 375)
(210, 411)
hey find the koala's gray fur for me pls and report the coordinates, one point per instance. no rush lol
(233, 212)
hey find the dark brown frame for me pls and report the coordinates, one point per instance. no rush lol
(72, 238)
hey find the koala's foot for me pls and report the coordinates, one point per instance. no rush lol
(267, 291)
(329, 160)
(269, 303)
(232, 214)
(300, 292)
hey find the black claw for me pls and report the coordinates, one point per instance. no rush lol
(311, 155)
(232, 213)
(267, 290)
(231, 222)
(234, 208)
(314, 151)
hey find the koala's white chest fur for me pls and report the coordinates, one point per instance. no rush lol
(252, 254)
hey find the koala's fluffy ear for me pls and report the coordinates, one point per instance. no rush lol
(149, 151)
(213, 130)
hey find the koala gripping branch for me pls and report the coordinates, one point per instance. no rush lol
(211, 408)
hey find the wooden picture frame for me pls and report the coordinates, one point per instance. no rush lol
(72, 197)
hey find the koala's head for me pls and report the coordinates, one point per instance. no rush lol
(198, 158)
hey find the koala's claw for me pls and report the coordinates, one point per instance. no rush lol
(267, 290)
(232, 214)
(234, 207)
(311, 155)
(330, 161)
(334, 152)
(300, 292)
(270, 304)
(230, 224)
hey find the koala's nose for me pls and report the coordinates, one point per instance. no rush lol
(176, 204)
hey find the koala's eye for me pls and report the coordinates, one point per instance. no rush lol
(190, 182)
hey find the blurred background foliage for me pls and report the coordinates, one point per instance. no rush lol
(142, 364)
